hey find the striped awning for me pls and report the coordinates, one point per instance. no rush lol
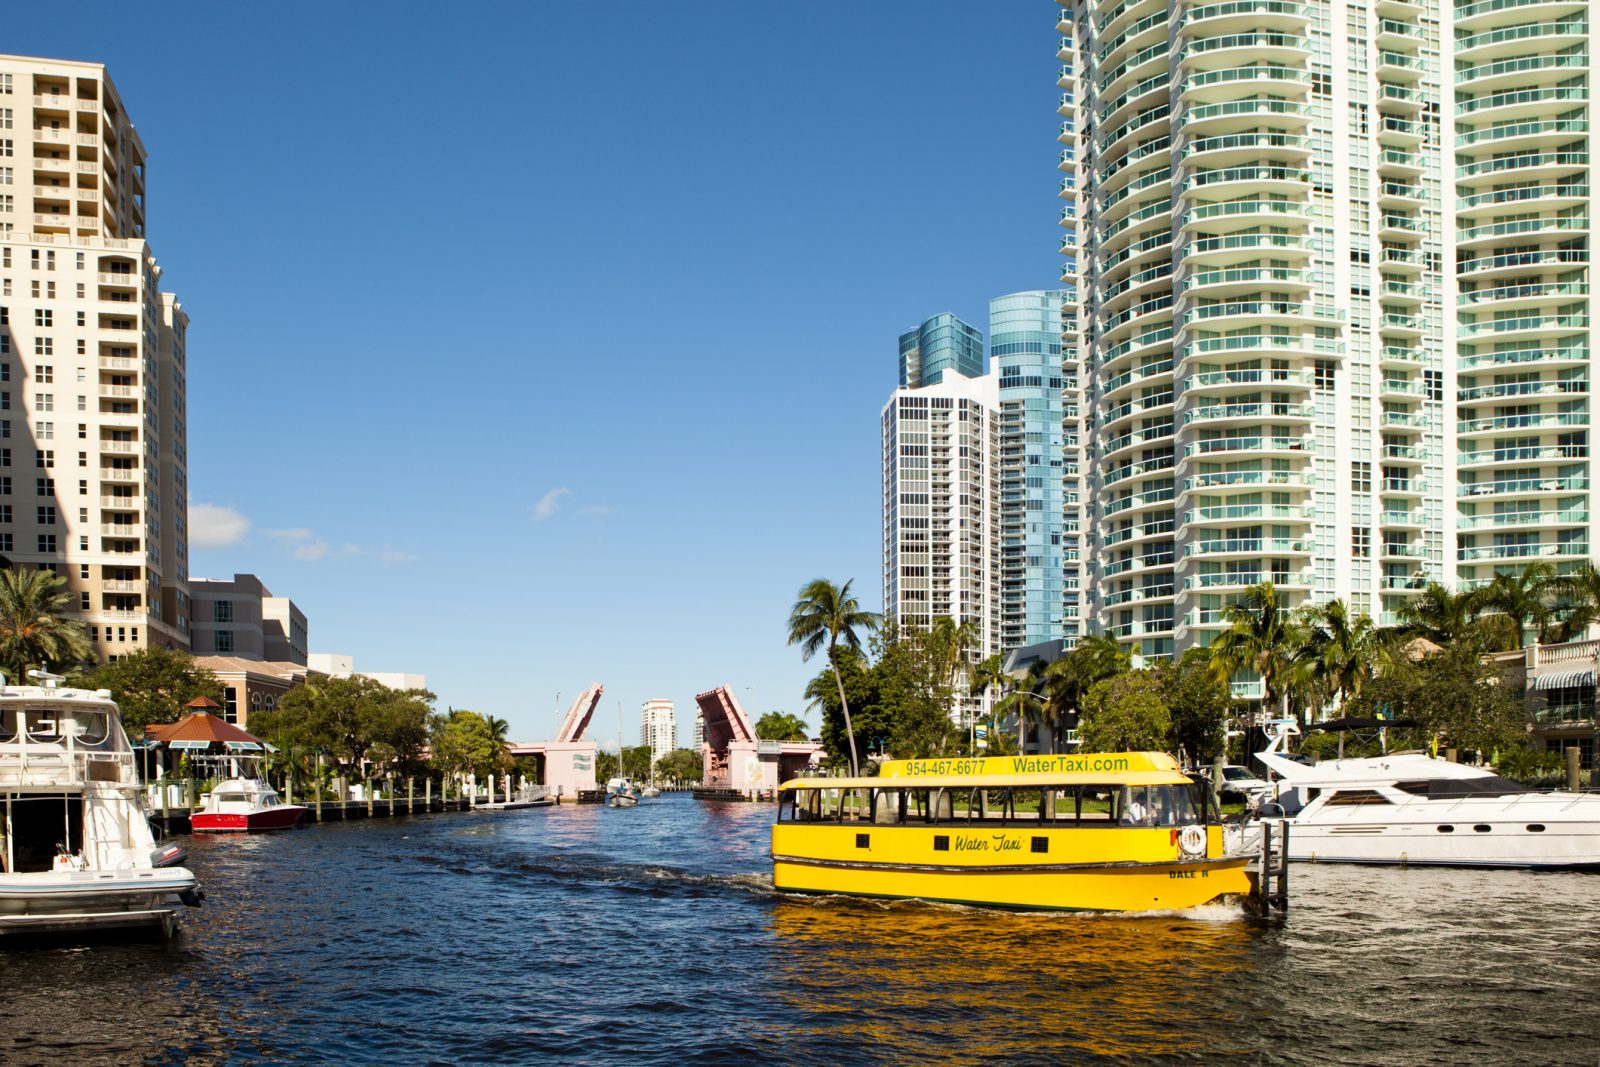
(1565, 679)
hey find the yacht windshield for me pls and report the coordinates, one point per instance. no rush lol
(1490, 785)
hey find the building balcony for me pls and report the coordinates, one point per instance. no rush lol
(1508, 456)
(1487, 267)
(1232, 447)
(1523, 487)
(1239, 281)
(1526, 167)
(1550, 198)
(1299, 514)
(1549, 420)
(1243, 15)
(1218, 51)
(1512, 104)
(1520, 39)
(1210, 381)
(1524, 72)
(1485, 13)
(1536, 519)
(1416, 519)
(1563, 388)
(1222, 482)
(1523, 553)
(1250, 546)
(1243, 414)
(1213, 86)
(1469, 237)
(1242, 580)
(1525, 327)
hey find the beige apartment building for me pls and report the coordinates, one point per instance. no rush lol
(240, 617)
(93, 469)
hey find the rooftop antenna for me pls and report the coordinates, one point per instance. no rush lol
(46, 678)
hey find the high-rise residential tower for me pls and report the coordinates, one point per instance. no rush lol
(941, 504)
(660, 728)
(93, 477)
(1335, 299)
(942, 343)
(1025, 355)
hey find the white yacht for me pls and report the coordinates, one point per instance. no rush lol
(78, 852)
(1412, 808)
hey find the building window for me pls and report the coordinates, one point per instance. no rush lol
(222, 611)
(1361, 542)
(224, 640)
(230, 704)
(47, 543)
(44, 373)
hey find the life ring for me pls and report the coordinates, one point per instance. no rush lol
(1192, 839)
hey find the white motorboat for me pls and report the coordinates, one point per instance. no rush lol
(78, 852)
(1412, 808)
(244, 805)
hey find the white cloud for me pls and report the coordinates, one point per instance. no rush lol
(550, 503)
(214, 526)
(306, 546)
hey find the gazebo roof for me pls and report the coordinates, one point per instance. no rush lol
(201, 726)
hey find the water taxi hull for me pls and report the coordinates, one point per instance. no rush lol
(279, 818)
(1046, 887)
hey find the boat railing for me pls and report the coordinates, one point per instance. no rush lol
(29, 764)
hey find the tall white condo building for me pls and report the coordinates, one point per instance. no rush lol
(93, 452)
(1332, 270)
(660, 728)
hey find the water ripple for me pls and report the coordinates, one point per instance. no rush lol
(654, 937)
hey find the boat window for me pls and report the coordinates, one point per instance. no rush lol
(886, 806)
(1446, 828)
(855, 805)
(41, 724)
(928, 805)
(87, 727)
(1356, 796)
(806, 805)
(1097, 804)
(8, 724)
(230, 798)
(1536, 828)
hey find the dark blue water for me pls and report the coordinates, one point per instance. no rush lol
(585, 935)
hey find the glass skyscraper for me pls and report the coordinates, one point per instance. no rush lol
(1025, 354)
(941, 343)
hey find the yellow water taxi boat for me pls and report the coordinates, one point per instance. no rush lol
(1103, 832)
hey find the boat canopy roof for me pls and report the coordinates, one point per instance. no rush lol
(998, 772)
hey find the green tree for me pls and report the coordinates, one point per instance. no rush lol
(913, 695)
(500, 730)
(1438, 616)
(1069, 679)
(1339, 656)
(1511, 605)
(34, 628)
(1577, 602)
(1262, 638)
(1197, 703)
(346, 717)
(827, 616)
(950, 642)
(636, 762)
(681, 765)
(151, 685)
(1026, 700)
(872, 725)
(1125, 713)
(463, 744)
(781, 726)
(1456, 695)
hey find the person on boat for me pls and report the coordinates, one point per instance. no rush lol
(1137, 813)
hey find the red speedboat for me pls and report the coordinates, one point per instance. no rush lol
(240, 805)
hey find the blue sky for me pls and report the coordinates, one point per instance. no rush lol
(540, 344)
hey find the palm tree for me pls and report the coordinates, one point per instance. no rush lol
(989, 676)
(499, 734)
(827, 616)
(1260, 637)
(1027, 701)
(1512, 604)
(951, 643)
(1436, 615)
(781, 726)
(1339, 656)
(1577, 600)
(33, 630)
(1070, 678)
